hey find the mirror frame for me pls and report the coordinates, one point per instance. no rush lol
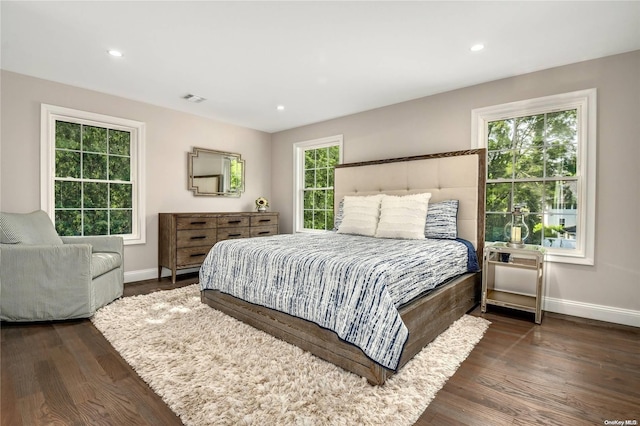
(191, 156)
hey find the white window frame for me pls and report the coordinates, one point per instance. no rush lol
(299, 149)
(49, 114)
(585, 101)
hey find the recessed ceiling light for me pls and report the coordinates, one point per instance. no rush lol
(477, 47)
(194, 98)
(115, 53)
(280, 107)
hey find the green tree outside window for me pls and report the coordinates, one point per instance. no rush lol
(318, 187)
(93, 187)
(532, 162)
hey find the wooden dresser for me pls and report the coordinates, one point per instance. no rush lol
(184, 239)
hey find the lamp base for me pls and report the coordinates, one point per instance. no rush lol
(516, 244)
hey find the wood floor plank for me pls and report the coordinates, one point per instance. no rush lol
(73, 380)
(8, 399)
(20, 365)
(30, 409)
(58, 407)
(454, 409)
(566, 371)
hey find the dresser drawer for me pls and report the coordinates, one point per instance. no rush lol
(263, 231)
(196, 237)
(232, 221)
(264, 219)
(191, 256)
(229, 233)
(195, 222)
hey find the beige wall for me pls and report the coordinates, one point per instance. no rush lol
(169, 136)
(608, 290)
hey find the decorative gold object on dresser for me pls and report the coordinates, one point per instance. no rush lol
(184, 239)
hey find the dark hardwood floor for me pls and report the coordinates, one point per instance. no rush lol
(566, 371)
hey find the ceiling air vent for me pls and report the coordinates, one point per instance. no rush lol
(194, 98)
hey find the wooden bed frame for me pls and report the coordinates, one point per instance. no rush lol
(453, 175)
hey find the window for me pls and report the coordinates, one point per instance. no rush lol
(91, 178)
(314, 163)
(541, 156)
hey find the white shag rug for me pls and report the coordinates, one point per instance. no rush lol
(211, 369)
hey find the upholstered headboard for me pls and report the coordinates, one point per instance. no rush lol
(458, 175)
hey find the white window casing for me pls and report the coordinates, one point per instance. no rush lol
(49, 115)
(585, 102)
(299, 149)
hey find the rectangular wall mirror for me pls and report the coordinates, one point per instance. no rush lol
(215, 173)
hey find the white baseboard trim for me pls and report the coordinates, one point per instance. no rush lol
(592, 311)
(152, 274)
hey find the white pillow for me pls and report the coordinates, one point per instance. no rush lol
(360, 215)
(403, 217)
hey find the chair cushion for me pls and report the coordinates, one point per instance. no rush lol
(101, 263)
(28, 228)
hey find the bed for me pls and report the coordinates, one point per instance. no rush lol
(415, 320)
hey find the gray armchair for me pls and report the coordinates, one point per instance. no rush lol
(45, 277)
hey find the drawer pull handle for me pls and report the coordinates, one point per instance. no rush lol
(197, 254)
(199, 223)
(234, 221)
(264, 232)
(265, 220)
(199, 237)
(234, 235)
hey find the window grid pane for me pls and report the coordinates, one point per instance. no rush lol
(318, 187)
(92, 185)
(532, 162)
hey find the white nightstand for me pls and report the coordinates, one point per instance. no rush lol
(500, 255)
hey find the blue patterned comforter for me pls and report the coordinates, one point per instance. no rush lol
(349, 284)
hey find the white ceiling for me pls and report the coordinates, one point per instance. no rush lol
(320, 60)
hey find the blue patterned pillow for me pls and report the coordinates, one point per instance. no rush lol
(442, 220)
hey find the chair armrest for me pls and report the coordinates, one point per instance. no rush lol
(107, 243)
(22, 261)
(43, 282)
